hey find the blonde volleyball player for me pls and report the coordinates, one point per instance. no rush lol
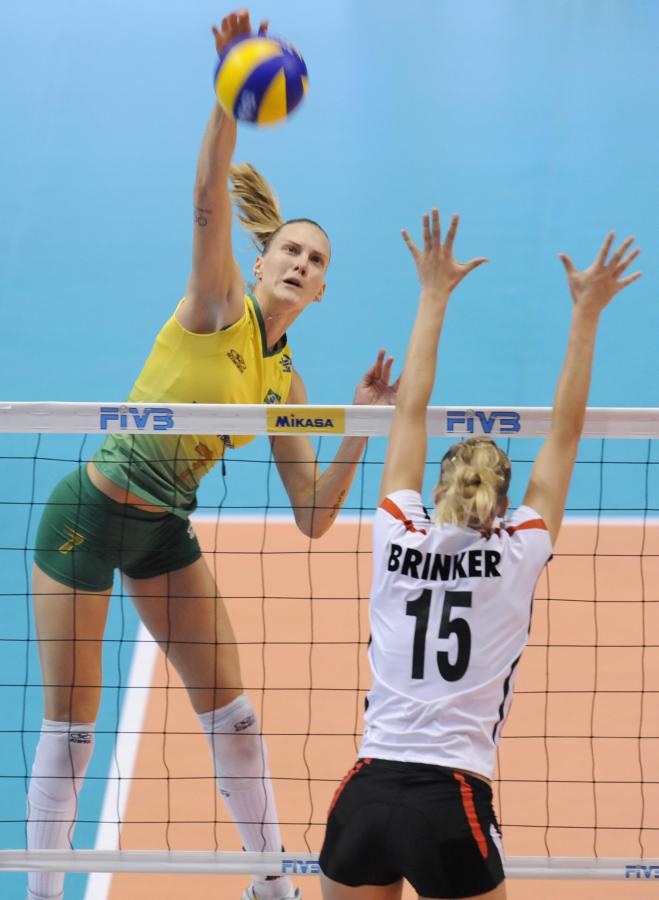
(450, 613)
(129, 507)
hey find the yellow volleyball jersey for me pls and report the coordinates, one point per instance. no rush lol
(229, 366)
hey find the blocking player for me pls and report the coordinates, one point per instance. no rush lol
(450, 612)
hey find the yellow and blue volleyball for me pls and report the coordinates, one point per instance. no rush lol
(260, 79)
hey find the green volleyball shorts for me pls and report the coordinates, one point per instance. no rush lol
(83, 536)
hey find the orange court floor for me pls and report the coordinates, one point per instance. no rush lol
(578, 766)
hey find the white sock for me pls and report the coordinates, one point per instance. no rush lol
(59, 769)
(240, 757)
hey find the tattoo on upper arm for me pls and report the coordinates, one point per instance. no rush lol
(201, 216)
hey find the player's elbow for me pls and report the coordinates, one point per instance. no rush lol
(311, 522)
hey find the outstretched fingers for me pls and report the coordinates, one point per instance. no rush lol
(233, 25)
(431, 230)
(374, 372)
(604, 250)
(620, 252)
(452, 231)
(475, 263)
(593, 288)
(432, 233)
(624, 264)
(427, 239)
(436, 229)
(377, 366)
(230, 25)
(435, 263)
(375, 386)
(629, 280)
(411, 246)
(620, 262)
(386, 370)
(567, 262)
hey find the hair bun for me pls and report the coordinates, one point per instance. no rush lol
(474, 479)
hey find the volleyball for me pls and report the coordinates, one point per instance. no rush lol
(260, 79)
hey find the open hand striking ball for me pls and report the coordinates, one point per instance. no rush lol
(260, 79)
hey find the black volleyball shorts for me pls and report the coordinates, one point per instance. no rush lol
(431, 825)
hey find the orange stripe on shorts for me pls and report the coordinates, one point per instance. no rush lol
(470, 810)
(358, 765)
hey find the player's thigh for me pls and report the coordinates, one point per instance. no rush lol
(189, 620)
(70, 625)
(499, 893)
(332, 890)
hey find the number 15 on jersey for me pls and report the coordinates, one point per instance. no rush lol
(449, 624)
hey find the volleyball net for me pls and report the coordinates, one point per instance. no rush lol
(577, 780)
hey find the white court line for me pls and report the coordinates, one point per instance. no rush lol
(124, 756)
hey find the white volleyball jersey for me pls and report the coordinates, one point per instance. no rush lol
(450, 615)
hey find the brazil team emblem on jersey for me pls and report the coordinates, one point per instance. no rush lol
(286, 363)
(272, 397)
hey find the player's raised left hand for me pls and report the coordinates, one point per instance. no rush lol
(376, 388)
(439, 273)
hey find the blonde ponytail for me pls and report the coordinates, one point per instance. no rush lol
(474, 480)
(257, 206)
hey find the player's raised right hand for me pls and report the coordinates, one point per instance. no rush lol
(234, 25)
(595, 287)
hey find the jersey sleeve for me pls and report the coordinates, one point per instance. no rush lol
(529, 537)
(400, 514)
